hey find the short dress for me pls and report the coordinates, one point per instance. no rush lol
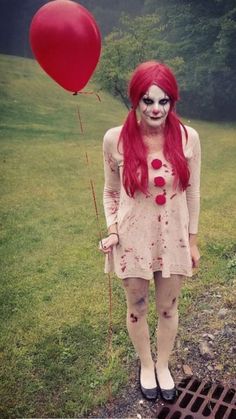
(154, 228)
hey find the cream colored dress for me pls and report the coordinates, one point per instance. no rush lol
(152, 237)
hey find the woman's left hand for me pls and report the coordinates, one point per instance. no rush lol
(195, 255)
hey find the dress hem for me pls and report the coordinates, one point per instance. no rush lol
(148, 277)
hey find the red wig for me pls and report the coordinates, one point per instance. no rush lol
(135, 174)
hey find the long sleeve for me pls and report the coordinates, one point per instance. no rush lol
(111, 193)
(193, 190)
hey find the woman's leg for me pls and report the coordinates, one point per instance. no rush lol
(167, 295)
(136, 290)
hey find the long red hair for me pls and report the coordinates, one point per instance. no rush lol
(135, 174)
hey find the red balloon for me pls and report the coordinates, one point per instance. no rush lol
(66, 41)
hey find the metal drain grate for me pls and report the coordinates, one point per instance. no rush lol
(199, 400)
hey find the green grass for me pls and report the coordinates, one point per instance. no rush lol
(54, 296)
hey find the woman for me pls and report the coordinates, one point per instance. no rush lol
(151, 202)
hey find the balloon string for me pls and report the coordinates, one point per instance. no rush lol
(110, 329)
(80, 120)
(94, 199)
(88, 93)
(109, 276)
(110, 313)
(78, 111)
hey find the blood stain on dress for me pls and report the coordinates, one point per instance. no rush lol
(114, 208)
(112, 194)
(129, 249)
(159, 218)
(172, 196)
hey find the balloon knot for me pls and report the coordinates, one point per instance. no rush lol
(75, 93)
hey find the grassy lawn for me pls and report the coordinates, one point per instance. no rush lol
(54, 296)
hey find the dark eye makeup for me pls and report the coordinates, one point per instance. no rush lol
(149, 101)
(164, 101)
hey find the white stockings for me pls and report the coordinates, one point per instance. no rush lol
(167, 292)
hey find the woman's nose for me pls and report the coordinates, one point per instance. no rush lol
(155, 110)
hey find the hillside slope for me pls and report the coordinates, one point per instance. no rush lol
(54, 304)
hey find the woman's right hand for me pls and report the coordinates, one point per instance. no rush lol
(106, 244)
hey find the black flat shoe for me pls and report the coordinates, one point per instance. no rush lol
(169, 395)
(150, 394)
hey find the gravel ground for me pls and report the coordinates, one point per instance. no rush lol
(205, 349)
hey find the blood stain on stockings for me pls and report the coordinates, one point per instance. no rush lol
(166, 315)
(133, 318)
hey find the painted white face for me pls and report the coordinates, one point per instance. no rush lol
(154, 107)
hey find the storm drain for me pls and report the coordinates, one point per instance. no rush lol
(199, 399)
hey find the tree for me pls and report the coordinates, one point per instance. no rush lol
(203, 34)
(137, 40)
(196, 39)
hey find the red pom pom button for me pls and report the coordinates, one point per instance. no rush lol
(156, 163)
(159, 181)
(160, 199)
